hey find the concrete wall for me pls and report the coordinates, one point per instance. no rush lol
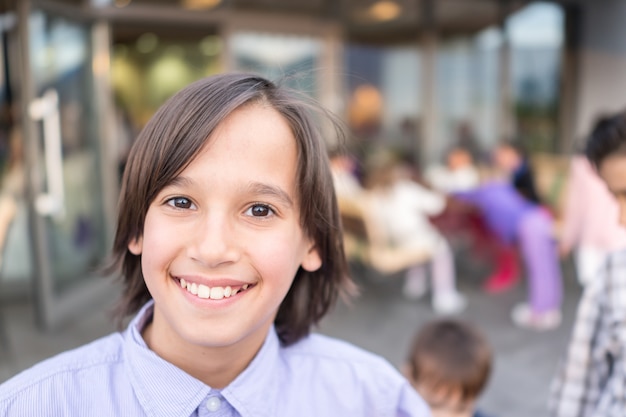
(602, 60)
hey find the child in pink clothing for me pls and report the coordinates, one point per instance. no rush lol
(590, 221)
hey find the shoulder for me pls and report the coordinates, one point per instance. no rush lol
(348, 371)
(67, 369)
(320, 348)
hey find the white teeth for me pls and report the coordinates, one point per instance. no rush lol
(203, 291)
(214, 293)
(217, 293)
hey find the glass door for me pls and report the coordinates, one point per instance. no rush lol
(66, 159)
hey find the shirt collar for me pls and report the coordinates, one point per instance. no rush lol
(165, 390)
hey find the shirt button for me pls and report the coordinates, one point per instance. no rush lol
(213, 404)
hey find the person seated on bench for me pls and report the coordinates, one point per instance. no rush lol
(397, 210)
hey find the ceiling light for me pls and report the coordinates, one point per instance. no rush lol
(121, 3)
(200, 4)
(384, 10)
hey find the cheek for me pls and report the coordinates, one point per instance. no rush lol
(158, 241)
(277, 254)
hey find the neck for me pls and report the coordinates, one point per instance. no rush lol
(215, 366)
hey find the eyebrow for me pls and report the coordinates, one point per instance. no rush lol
(260, 188)
(257, 188)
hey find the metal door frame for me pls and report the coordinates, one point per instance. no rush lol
(53, 309)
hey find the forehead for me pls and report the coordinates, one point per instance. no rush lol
(253, 130)
(254, 141)
(613, 171)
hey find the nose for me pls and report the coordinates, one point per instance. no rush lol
(214, 241)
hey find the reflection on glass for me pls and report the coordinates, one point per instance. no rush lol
(468, 82)
(147, 70)
(289, 59)
(61, 57)
(536, 34)
(467, 88)
(15, 252)
(384, 93)
(384, 98)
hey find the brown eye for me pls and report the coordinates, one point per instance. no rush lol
(180, 202)
(260, 210)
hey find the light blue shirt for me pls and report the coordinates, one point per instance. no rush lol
(119, 375)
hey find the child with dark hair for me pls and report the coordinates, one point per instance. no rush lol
(589, 228)
(449, 364)
(511, 158)
(230, 247)
(590, 381)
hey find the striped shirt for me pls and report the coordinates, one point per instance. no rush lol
(119, 375)
(591, 381)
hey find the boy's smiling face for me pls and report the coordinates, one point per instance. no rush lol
(613, 171)
(222, 243)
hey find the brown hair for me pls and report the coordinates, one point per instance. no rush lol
(451, 357)
(171, 140)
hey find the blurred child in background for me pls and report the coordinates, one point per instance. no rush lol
(459, 173)
(590, 225)
(590, 380)
(449, 364)
(398, 209)
(509, 204)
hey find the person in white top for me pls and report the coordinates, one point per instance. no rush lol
(458, 174)
(398, 209)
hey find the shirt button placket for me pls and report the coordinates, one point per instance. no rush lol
(216, 406)
(213, 404)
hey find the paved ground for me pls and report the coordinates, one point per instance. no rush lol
(380, 320)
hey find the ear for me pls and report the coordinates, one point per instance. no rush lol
(135, 246)
(312, 260)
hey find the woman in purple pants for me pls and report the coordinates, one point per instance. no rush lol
(521, 222)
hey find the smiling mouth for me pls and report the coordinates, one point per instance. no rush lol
(214, 293)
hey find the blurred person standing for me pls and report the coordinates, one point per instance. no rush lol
(509, 205)
(590, 380)
(589, 226)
